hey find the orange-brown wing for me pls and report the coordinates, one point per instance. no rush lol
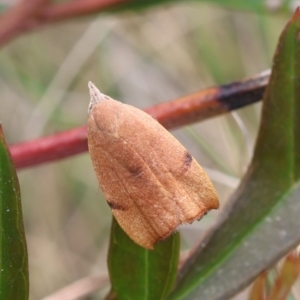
(149, 179)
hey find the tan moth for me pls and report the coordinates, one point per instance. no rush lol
(150, 181)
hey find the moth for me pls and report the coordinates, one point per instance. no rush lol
(150, 181)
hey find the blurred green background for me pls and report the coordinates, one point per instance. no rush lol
(140, 58)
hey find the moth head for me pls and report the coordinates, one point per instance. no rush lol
(95, 96)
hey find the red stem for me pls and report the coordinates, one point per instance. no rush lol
(28, 15)
(53, 13)
(186, 110)
(49, 148)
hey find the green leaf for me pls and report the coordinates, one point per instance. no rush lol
(137, 273)
(260, 223)
(14, 279)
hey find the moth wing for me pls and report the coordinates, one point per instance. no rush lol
(138, 200)
(168, 159)
(148, 178)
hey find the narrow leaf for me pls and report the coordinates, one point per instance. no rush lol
(260, 223)
(14, 280)
(137, 273)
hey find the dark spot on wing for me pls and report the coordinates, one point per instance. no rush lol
(135, 170)
(116, 206)
(187, 161)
